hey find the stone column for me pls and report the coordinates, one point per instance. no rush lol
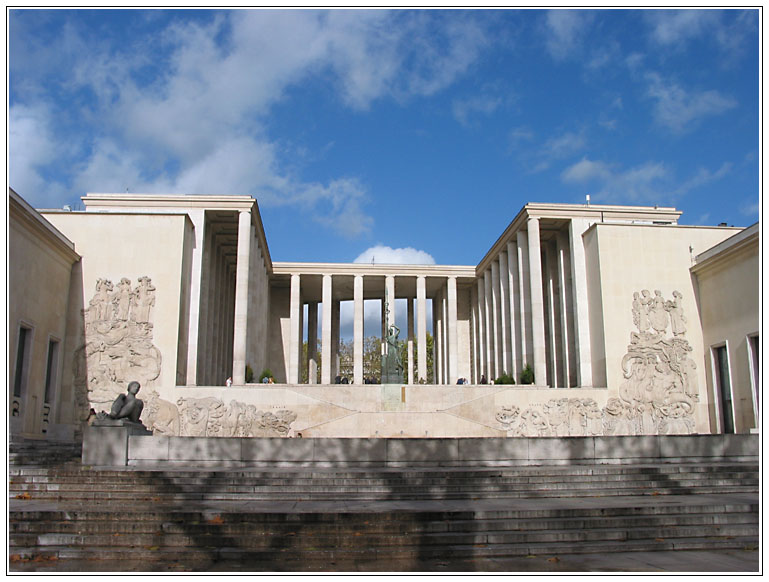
(564, 283)
(325, 341)
(205, 332)
(537, 302)
(239, 340)
(482, 340)
(525, 299)
(220, 300)
(390, 285)
(312, 342)
(489, 326)
(514, 310)
(552, 333)
(335, 324)
(580, 297)
(504, 314)
(358, 330)
(295, 333)
(410, 346)
(445, 335)
(474, 334)
(421, 329)
(196, 305)
(452, 325)
(496, 319)
(200, 344)
(437, 340)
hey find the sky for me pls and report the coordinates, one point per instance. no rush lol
(411, 136)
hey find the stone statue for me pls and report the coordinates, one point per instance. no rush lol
(126, 406)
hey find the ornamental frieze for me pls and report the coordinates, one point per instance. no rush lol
(211, 417)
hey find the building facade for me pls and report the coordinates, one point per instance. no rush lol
(602, 304)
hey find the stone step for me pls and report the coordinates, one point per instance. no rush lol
(280, 480)
(307, 536)
(386, 494)
(411, 472)
(129, 557)
(145, 528)
(633, 525)
(400, 472)
(129, 516)
(50, 484)
(160, 516)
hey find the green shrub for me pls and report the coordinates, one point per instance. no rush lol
(249, 374)
(527, 376)
(505, 379)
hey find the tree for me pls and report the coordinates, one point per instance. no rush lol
(405, 360)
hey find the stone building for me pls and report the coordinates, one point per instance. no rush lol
(613, 308)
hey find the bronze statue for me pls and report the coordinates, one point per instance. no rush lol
(392, 367)
(126, 406)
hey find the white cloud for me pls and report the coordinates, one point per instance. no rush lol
(185, 110)
(558, 147)
(565, 30)
(33, 148)
(384, 255)
(750, 208)
(463, 109)
(586, 170)
(651, 182)
(702, 177)
(678, 109)
(645, 183)
(671, 27)
(728, 29)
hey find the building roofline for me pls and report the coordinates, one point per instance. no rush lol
(727, 247)
(378, 269)
(39, 221)
(599, 212)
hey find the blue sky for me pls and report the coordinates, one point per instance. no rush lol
(421, 133)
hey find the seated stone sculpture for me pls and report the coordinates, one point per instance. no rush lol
(126, 406)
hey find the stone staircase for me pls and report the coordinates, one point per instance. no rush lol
(409, 518)
(23, 451)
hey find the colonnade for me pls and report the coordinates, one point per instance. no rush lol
(232, 294)
(330, 324)
(530, 307)
(312, 285)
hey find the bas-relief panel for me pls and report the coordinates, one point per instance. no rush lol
(658, 394)
(118, 343)
(211, 417)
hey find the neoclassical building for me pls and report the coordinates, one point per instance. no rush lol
(614, 309)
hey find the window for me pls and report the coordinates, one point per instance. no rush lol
(723, 388)
(50, 370)
(22, 358)
(754, 355)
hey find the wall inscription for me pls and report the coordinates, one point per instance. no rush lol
(657, 395)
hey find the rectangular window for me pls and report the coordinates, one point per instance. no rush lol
(22, 357)
(724, 388)
(754, 350)
(50, 370)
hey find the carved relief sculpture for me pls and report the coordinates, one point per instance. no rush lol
(210, 417)
(657, 395)
(118, 344)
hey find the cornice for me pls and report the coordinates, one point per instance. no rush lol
(365, 269)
